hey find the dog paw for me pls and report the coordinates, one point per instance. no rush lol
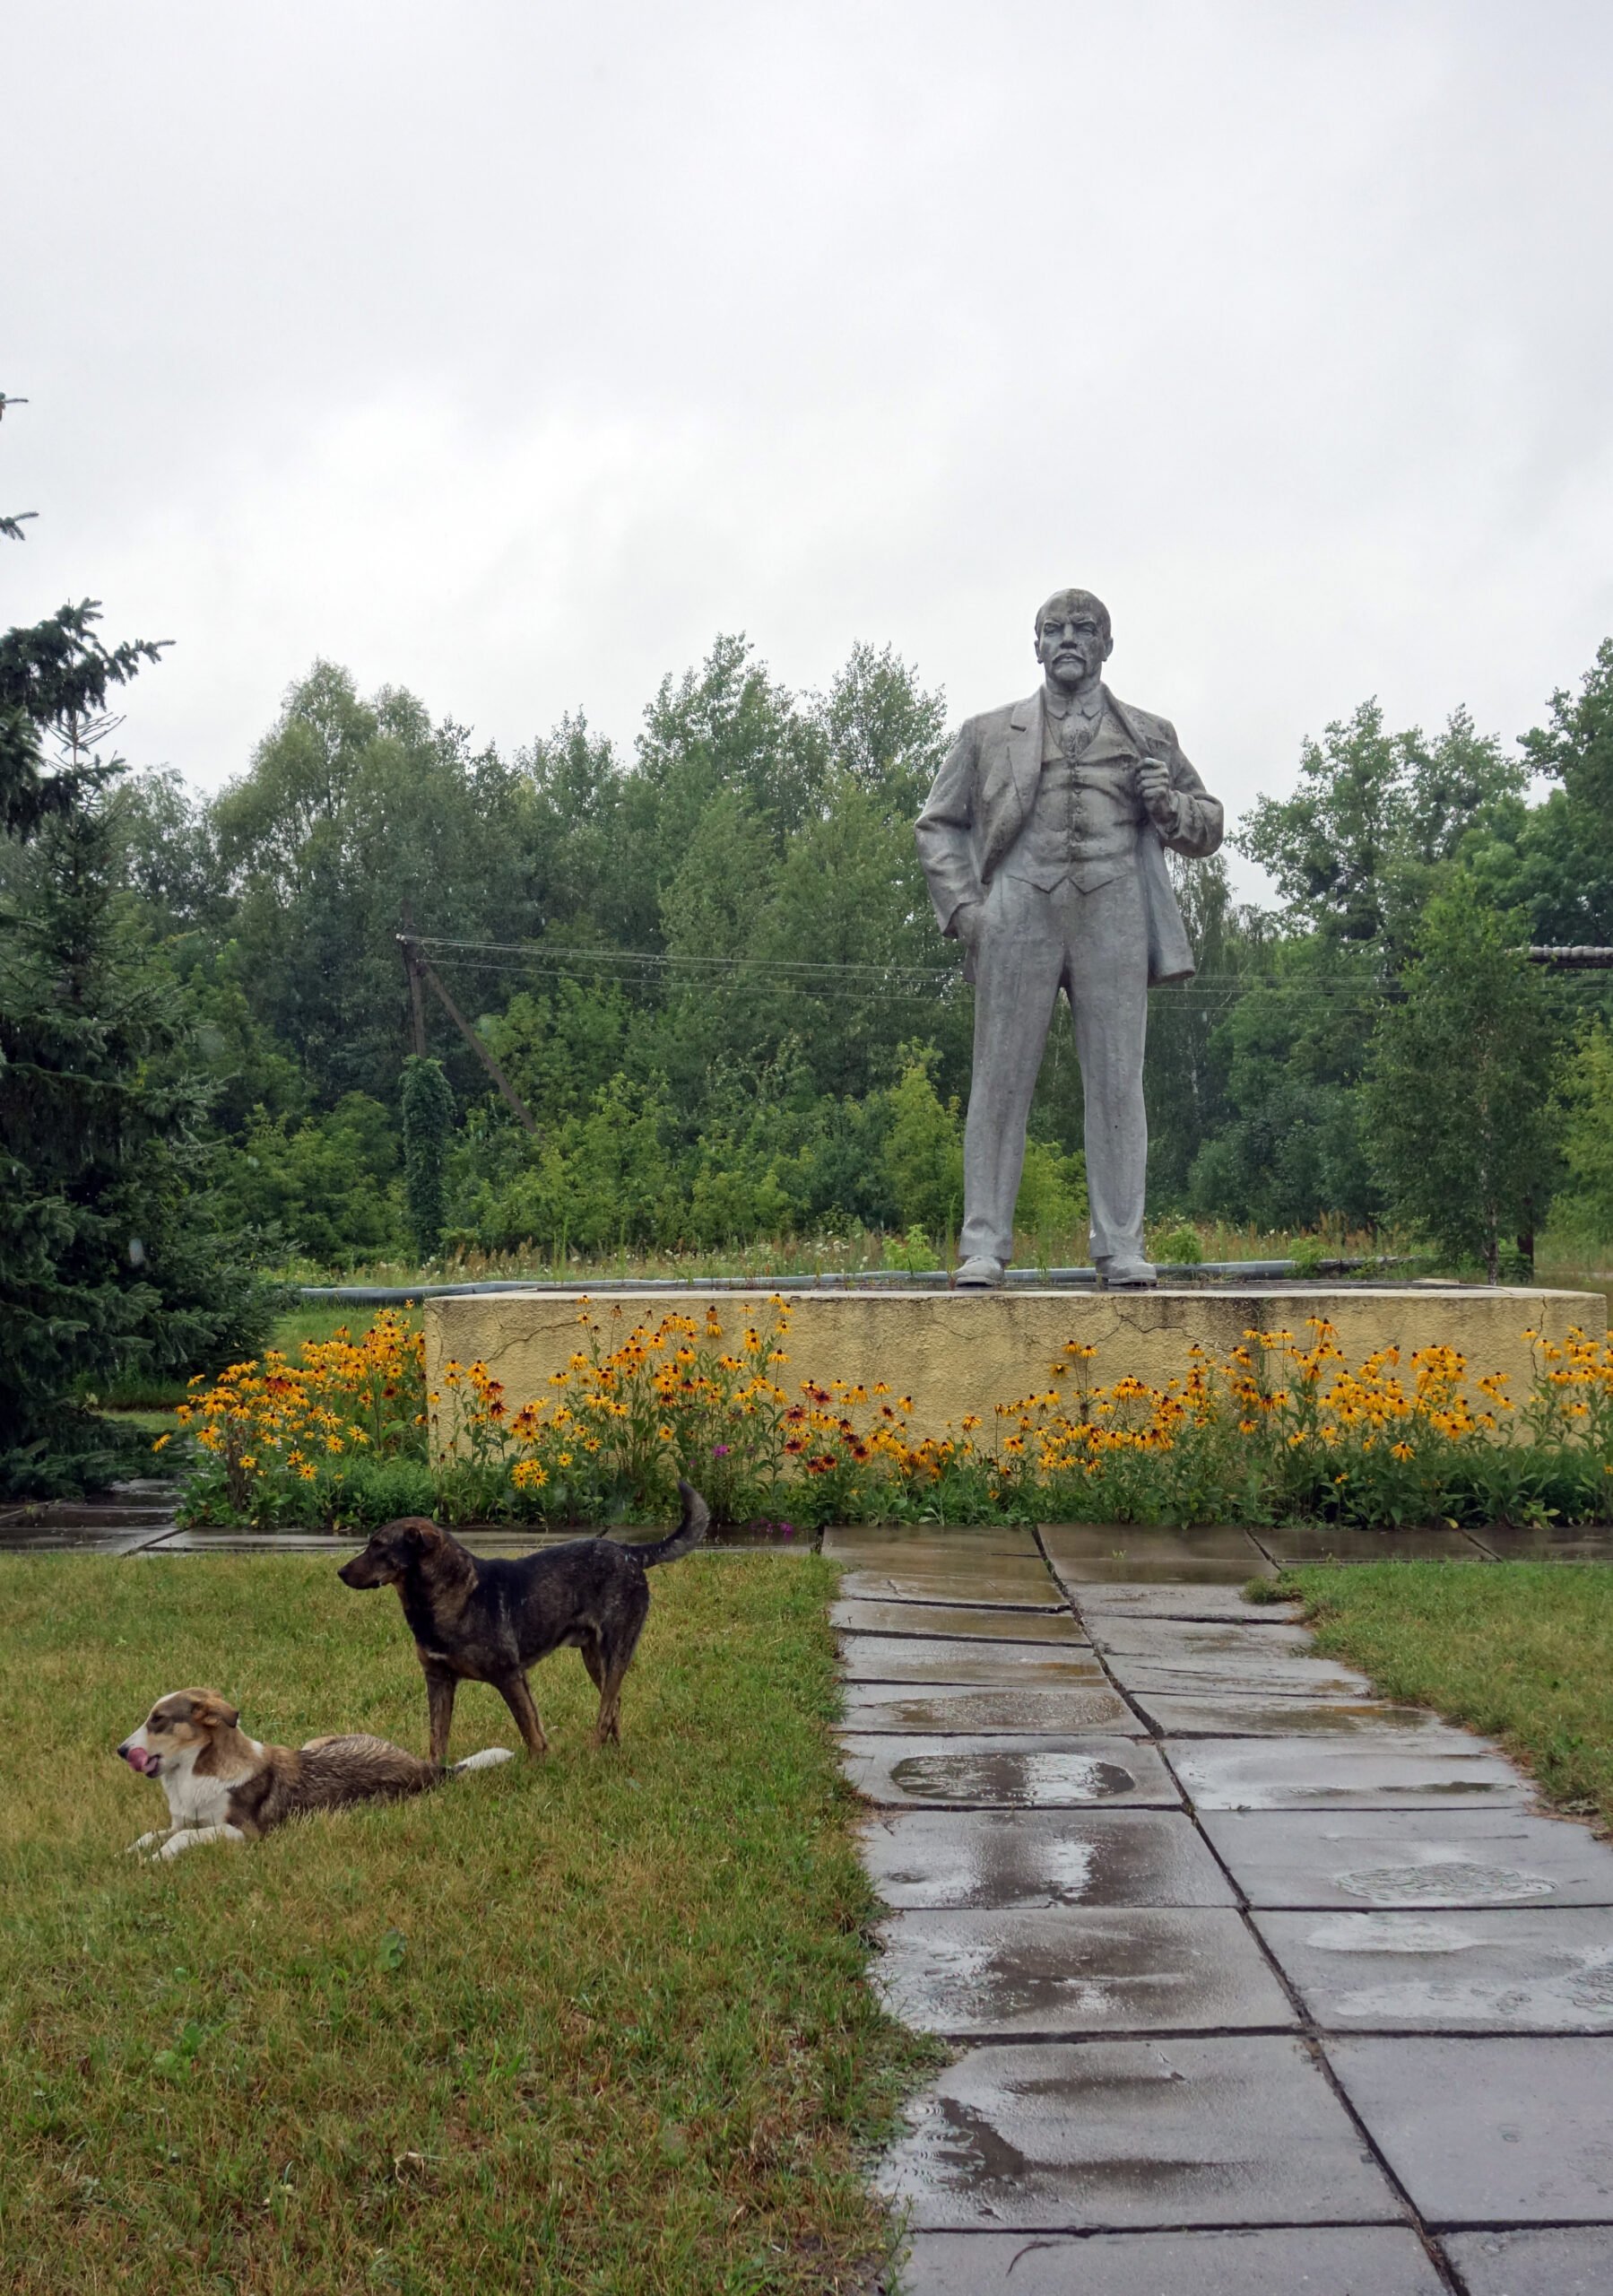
(147, 1844)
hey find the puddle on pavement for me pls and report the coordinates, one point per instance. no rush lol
(1059, 1971)
(1026, 1778)
(1435, 1880)
(1026, 1860)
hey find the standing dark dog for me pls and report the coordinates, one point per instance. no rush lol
(488, 1622)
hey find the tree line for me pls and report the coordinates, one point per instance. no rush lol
(709, 971)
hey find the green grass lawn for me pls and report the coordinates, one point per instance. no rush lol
(1522, 1651)
(595, 2024)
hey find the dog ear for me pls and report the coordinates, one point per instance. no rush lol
(214, 1711)
(413, 1533)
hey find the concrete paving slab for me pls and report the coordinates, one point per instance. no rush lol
(1239, 2131)
(956, 1620)
(1235, 1641)
(1509, 2132)
(1346, 1543)
(1578, 2262)
(1413, 1858)
(1056, 1972)
(51, 1538)
(1003, 1859)
(1363, 2260)
(920, 1543)
(951, 1706)
(900, 1658)
(1184, 1654)
(337, 1545)
(1007, 1773)
(1519, 1970)
(1094, 1554)
(1550, 1543)
(1395, 1770)
(1019, 1585)
(1075, 1542)
(1214, 1605)
(1176, 1715)
(95, 1514)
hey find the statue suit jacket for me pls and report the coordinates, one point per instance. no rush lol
(985, 789)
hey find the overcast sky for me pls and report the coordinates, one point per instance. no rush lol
(510, 350)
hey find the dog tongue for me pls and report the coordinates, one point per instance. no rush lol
(137, 1757)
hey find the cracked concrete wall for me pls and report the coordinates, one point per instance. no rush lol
(956, 1353)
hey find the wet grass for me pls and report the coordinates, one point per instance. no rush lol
(1522, 1651)
(595, 2025)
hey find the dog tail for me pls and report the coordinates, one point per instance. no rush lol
(690, 1530)
(489, 1758)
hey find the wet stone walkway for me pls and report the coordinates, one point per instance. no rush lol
(1255, 1984)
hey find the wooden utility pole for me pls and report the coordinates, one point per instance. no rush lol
(420, 969)
(416, 995)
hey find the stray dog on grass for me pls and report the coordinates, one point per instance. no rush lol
(222, 1786)
(488, 1622)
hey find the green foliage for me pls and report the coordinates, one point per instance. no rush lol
(55, 677)
(705, 966)
(924, 1148)
(1563, 869)
(109, 1260)
(1289, 1151)
(108, 1266)
(427, 1106)
(351, 809)
(1458, 1098)
(1587, 1093)
(326, 1186)
(1052, 1204)
(1373, 809)
(1178, 1245)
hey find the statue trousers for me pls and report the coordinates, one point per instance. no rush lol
(1094, 946)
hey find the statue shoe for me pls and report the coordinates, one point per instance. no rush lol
(1129, 1275)
(980, 1275)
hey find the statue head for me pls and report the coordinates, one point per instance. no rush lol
(1074, 637)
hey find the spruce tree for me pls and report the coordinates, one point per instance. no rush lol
(106, 1262)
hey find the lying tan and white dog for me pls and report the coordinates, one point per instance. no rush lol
(222, 1786)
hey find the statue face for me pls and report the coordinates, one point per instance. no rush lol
(1073, 644)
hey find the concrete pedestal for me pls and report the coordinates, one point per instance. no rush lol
(961, 1352)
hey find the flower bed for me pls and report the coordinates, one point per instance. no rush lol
(1278, 1431)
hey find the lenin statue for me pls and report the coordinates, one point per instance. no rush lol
(1043, 841)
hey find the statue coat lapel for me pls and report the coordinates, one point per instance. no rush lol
(1007, 807)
